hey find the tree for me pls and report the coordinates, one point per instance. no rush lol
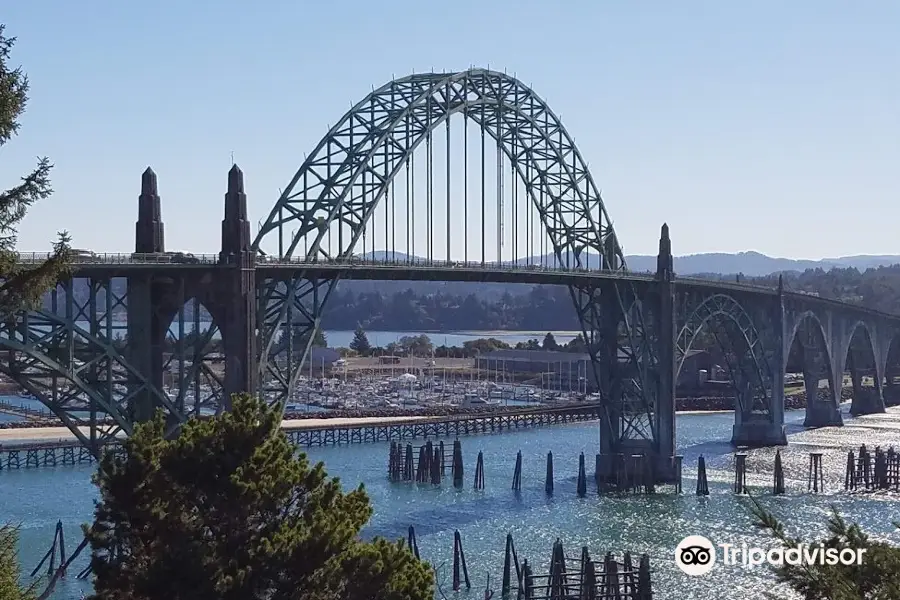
(360, 342)
(550, 342)
(877, 578)
(302, 335)
(10, 589)
(227, 511)
(22, 286)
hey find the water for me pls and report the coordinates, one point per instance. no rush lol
(653, 525)
(342, 339)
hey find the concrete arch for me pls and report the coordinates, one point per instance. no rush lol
(817, 364)
(757, 419)
(890, 370)
(859, 355)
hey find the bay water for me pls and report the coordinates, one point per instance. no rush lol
(36, 498)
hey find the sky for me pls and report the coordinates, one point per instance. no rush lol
(770, 126)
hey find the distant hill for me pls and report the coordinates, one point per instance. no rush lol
(752, 264)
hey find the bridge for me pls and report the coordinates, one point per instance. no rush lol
(405, 187)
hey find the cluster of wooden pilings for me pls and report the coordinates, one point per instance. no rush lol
(740, 475)
(879, 470)
(58, 551)
(567, 578)
(427, 464)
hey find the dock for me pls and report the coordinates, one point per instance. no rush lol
(57, 446)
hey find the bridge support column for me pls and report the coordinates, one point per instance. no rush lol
(145, 334)
(755, 429)
(890, 391)
(666, 371)
(867, 400)
(820, 412)
(237, 293)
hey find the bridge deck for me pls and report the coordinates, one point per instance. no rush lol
(120, 265)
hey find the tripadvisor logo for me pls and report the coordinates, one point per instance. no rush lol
(697, 555)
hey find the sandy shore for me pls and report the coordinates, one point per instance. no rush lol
(63, 434)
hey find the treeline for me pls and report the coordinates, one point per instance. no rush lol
(541, 308)
(421, 345)
(411, 306)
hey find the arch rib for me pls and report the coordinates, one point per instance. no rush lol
(370, 139)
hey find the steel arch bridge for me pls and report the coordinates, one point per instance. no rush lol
(353, 167)
(382, 180)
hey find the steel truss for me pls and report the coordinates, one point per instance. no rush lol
(289, 316)
(623, 350)
(350, 171)
(69, 356)
(736, 334)
(192, 363)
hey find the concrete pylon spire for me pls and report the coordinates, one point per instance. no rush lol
(235, 225)
(149, 234)
(664, 268)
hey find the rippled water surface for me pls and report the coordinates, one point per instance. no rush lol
(650, 524)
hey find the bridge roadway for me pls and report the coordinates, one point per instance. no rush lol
(102, 265)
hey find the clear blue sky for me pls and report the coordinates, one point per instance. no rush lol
(766, 125)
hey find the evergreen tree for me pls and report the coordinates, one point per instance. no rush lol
(229, 511)
(360, 342)
(550, 342)
(319, 339)
(10, 589)
(22, 286)
(877, 578)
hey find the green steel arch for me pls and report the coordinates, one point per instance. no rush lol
(347, 174)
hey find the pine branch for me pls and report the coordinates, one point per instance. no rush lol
(14, 202)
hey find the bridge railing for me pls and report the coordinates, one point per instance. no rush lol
(86, 257)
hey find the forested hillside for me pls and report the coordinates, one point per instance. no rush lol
(419, 306)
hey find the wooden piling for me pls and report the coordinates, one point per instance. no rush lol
(815, 481)
(436, 465)
(409, 472)
(740, 473)
(412, 542)
(598, 464)
(528, 577)
(422, 472)
(645, 590)
(391, 457)
(548, 480)
(443, 458)
(850, 472)
(582, 477)
(629, 581)
(457, 464)
(479, 472)
(517, 473)
(702, 483)
(510, 559)
(778, 478)
(459, 560)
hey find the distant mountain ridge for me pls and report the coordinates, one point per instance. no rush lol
(751, 264)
